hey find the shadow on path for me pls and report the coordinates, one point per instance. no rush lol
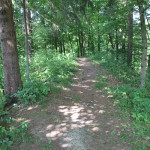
(78, 118)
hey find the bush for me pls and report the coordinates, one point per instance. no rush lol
(10, 135)
(32, 92)
(134, 99)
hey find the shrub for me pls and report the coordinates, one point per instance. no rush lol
(32, 92)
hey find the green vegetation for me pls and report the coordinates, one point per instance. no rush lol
(40, 41)
(51, 70)
(11, 132)
(45, 77)
(127, 96)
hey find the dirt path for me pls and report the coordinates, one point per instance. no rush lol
(78, 118)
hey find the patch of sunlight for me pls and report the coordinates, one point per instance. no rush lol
(75, 78)
(49, 127)
(75, 117)
(110, 96)
(9, 42)
(65, 89)
(22, 120)
(65, 145)
(19, 119)
(27, 121)
(102, 111)
(95, 129)
(32, 107)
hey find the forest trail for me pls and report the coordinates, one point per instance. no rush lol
(80, 117)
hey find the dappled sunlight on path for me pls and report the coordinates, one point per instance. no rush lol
(78, 118)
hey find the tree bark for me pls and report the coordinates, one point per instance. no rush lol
(84, 44)
(27, 42)
(144, 44)
(117, 46)
(124, 46)
(60, 48)
(64, 49)
(130, 37)
(27, 16)
(9, 49)
(111, 41)
(98, 45)
(56, 43)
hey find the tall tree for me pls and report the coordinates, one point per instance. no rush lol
(29, 25)
(130, 37)
(144, 42)
(9, 49)
(27, 41)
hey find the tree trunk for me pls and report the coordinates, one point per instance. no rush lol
(117, 46)
(27, 16)
(99, 45)
(70, 43)
(9, 49)
(56, 43)
(144, 44)
(124, 46)
(92, 43)
(84, 44)
(130, 37)
(80, 44)
(27, 42)
(111, 41)
(60, 48)
(89, 40)
(149, 62)
(124, 37)
(64, 49)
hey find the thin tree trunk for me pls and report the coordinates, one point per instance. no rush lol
(111, 41)
(144, 44)
(78, 50)
(9, 49)
(149, 40)
(70, 43)
(27, 16)
(130, 37)
(124, 36)
(80, 44)
(64, 47)
(60, 48)
(84, 44)
(92, 43)
(124, 46)
(56, 43)
(27, 43)
(89, 40)
(117, 46)
(149, 62)
(99, 45)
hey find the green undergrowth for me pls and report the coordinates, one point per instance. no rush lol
(127, 96)
(48, 71)
(12, 132)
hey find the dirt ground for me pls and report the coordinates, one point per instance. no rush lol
(79, 117)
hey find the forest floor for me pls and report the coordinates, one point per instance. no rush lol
(78, 117)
